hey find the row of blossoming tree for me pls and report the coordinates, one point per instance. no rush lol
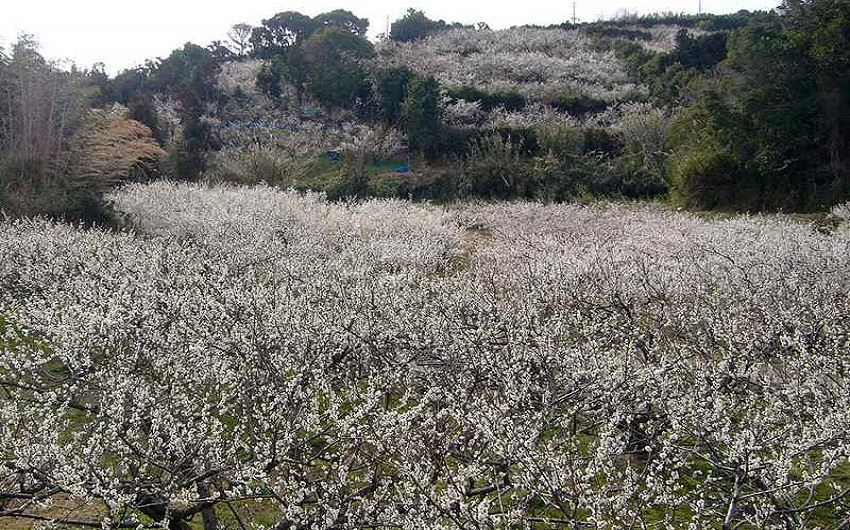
(252, 358)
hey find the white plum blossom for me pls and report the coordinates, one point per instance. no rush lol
(241, 75)
(532, 61)
(383, 364)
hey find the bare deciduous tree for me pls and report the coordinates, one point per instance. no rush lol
(42, 107)
(240, 39)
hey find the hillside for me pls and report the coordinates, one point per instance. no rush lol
(663, 107)
(532, 85)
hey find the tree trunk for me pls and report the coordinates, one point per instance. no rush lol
(208, 514)
(157, 509)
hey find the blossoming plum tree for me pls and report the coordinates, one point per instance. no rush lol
(384, 364)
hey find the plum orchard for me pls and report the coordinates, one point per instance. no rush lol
(388, 365)
(536, 62)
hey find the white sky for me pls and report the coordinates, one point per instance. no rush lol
(122, 34)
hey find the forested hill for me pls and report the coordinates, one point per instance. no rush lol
(747, 111)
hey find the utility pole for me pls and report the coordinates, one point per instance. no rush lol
(574, 12)
(700, 7)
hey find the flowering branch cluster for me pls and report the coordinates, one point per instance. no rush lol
(383, 364)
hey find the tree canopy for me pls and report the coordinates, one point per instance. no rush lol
(778, 115)
(415, 26)
(335, 73)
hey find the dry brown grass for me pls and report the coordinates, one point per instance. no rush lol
(111, 149)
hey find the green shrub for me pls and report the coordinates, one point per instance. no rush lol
(562, 141)
(594, 174)
(189, 152)
(142, 109)
(256, 164)
(524, 138)
(387, 186)
(445, 187)
(574, 103)
(455, 142)
(391, 86)
(495, 169)
(549, 179)
(509, 100)
(701, 52)
(29, 189)
(422, 116)
(88, 208)
(628, 177)
(706, 178)
(599, 140)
